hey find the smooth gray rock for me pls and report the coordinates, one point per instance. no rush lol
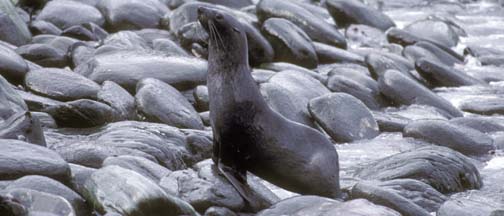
(82, 113)
(484, 106)
(346, 12)
(378, 64)
(142, 166)
(390, 122)
(316, 28)
(329, 54)
(465, 140)
(442, 168)
(118, 99)
(129, 193)
(365, 36)
(126, 68)
(343, 117)
(23, 126)
(159, 102)
(169, 47)
(10, 101)
(44, 27)
(291, 44)
(80, 174)
(403, 90)
(434, 30)
(12, 66)
(43, 54)
(469, 207)
(231, 3)
(12, 28)
(219, 211)
(46, 120)
(370, 97)
(36, 102)
(320, 206)
(60, 84)
(202, 98)
(482, 124)
(40, 203)
(439, 75)
(132, 14)
(380, 196)
(18, 159)
(50, 186)
(65, 13)
(444, 54)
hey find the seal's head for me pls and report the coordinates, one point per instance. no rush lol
(227, 36)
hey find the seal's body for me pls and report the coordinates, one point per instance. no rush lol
(248, 134)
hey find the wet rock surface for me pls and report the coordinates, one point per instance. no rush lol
(105, 109)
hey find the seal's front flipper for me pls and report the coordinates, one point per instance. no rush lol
(255, 201)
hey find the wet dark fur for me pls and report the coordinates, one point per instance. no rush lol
(248, 135)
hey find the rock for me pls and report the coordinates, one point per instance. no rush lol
(159, 143)
(43, 54)
(345, 13)
(11, 207)
(204, 187)
(316, 28)
(262, 76)
(484, 106)
(202, 98)
(65, 13)
(46, 120)
(289, 92)
(80, 174)
(414, 53)
(469, 207)
(370, 97)
(492, 60)
(401, 37)
(40, 203)
(444, 54)
(12, 29)
(129, 193)
(482, 124)
(282, 66)
(343, 117)
(365, 36)
(35, 102)
(82, 113)
(442, 168)
(118, 99)
(142, 166)
(440, 75)
(50, 186)
(12, 66)
(79, 32)
(388, 198)
(219, 211)
(465, 140)
(231, 3)
(403, 90)
(434, 30)
(10, 101)
(43, 27)
(291, 44)
(123, 40)
(61, 84)
(150, 34)
(378, 64)
(126, 68)
(169, 47)
(390, 122)
(20, 159)
(328, 54)
(159, 102)
(22, 126)
(131, 14)
(319, 206)
(418, 192)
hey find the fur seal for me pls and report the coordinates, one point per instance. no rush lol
(248, 134)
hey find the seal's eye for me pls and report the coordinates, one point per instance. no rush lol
(219, 17)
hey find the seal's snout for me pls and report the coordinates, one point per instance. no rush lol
(203, 16)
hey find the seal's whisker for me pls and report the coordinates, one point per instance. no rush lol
(218, 35)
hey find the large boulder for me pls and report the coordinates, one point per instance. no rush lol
(343, 117)
(40, 203)
(12, 28)
(484, 106)
(463, 139)
(118, 99)
(160, 102)
(12, 66)
(129, 193)
(66, 13)
(83, 113)
(127, 68)
(60, 84)
(403, 90)
(142, 166)
(319, 206)
(444, 169)
(440, 75)
(346, 12)
(23, 126)
(132, 14)
(434, 30)
(18, 159)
